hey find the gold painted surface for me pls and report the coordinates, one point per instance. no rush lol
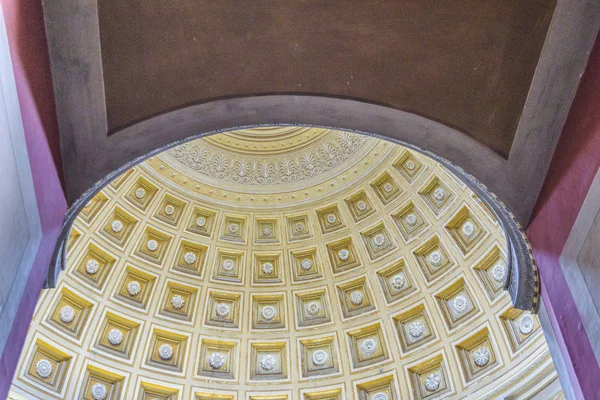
(351, 272)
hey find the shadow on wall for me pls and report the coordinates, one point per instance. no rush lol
(573, 168)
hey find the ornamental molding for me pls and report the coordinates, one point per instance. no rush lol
(319, 158)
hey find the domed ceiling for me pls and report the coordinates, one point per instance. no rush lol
(284, 263)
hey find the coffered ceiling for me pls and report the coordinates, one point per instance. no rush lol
(372, 273)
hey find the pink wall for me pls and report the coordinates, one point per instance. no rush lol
(31, 65)
(573, 167)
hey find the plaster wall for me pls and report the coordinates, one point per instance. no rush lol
(570, 176)
(33, 141)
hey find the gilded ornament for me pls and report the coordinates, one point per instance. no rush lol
(388, 187)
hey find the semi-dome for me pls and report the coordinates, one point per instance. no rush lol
(284, 263)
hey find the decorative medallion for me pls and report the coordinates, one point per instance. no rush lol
(331, 219)
(268, 312)
(92, 266)
(67, 314)
(499, 272)
(116, 226)
(268, 362)
(468, 229)
(152, 245)
(266, 230)
(432, 382)
(410, 165)
(436, 258)
(201, 222)
(459, 304)
(177, 302)
(134, 288)
(216, 360)
(306, 264)
(299, 227)
(416, 329)
(387, 187)
(526, 324)
(439, 194)
(313, 308)
(43, 368)
(411, 219)
(344, 254)
(115, 337)
(369, 346)
(169, 210)
(99, 391)
(379, 240)
(267, 268)
(234, 228)
(482, 356)
(398, 281)
(361, 205)
(222, 310)
(165, 352)
(189, 258)
(380, 396)
(228, 265)
(320, 357)
(140, 193)
(356, 297)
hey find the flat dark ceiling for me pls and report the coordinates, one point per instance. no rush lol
(467, 64)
